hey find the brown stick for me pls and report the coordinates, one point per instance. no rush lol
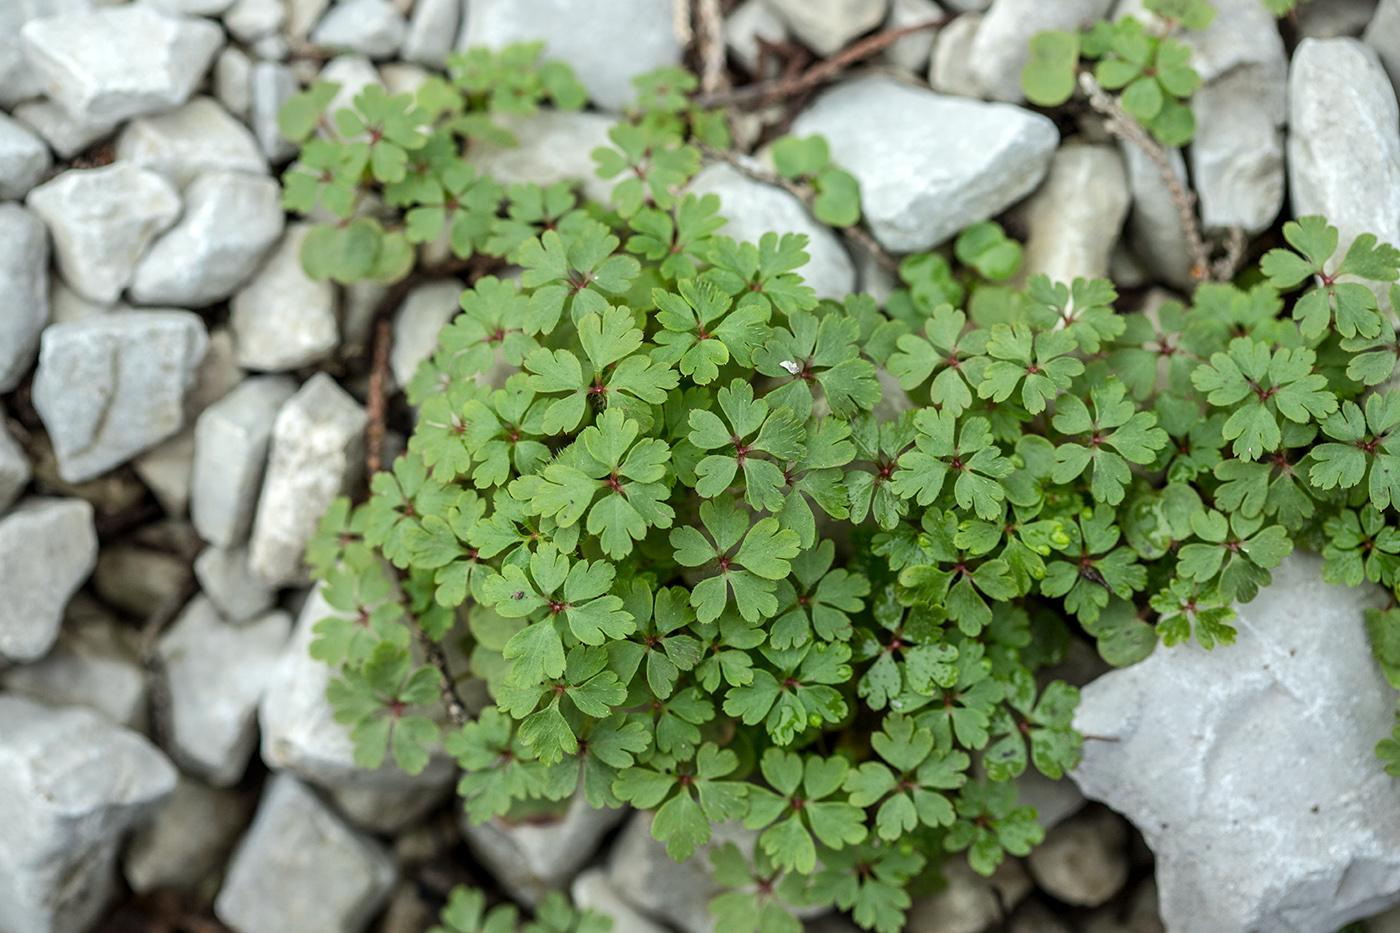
(825, 70)
(1183, 198)
(750, 168)
(709, 33)
(377, 403)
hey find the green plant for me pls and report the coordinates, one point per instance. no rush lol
(708, 560)
(465, 912)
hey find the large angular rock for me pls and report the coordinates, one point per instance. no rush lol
(23, 158)
(300, 869)
(369, 27)
(826, 26)
(607, 44)
(71, 784)
(950, 62)
(552, 146)
(95, 663)
(912, 52)
(113, 63)
(1154, 224)
(189, 141)
(24, 281)
(215, 674)
(231, 586)
(431, 32)
(284, 319)
(1237, 152)
(300, 735)
(102, 220)
(67, 134)
(754, 208)
(929, 165)
(423, 314)
(187, 838)
(591, 890)
(231, 220)
(110, 387)
(270, 84)
(1344, 140)
(1250, 770)
(1073, 220)
(1002, 47)
(316, 454)
(47, 547)
(531, 859)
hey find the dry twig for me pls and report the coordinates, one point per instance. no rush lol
(709, 34)
(680, 21)
(764, 91)
(377, 404)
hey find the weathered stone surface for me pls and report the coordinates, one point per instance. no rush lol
(300, 869)
(1327, 19)
(233, 83)
(271, 84)
(231, 586)
(1084, 860)
(190, 141)
(970, 903)
(251, 20)
(112, 63)
(746, 24)
(71, 784)
(1250, 770)
(531, 859)
(1074, 218)
(230, 454)
(102, 220)
(215, 674)
(165, 469)
(607, 45)
(23, 158)
(912, 52)
(424, 312)
(1383, 36)
(553, 146)
(187, 838)
(591, 890)
(300, 734)
(66, 134)
(929, 165)
(432, 30)
(316, 454)
(110, 387)
(24, 281)
(284, 319)
(826, 26)
(754, 208)
(301, 16)
(137, 579)
(1344, 140)
(230, 222)
(47, 547)
(1242, 33)
(1002, 47)
(1154, 224)
(950, 62)
(14, 467)
(95, 663)
(1237, 152)
(369, 27)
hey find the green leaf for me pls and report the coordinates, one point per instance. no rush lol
(1048, 77)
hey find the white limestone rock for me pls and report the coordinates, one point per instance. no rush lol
(110, 387)
(369, 27)
(1243, 32)
(950, 63)
(272, 83)
(912, 52)
(95, 663)
(1237, 152)
(188, 837)
(23, 158)
(749, 22)
(316, 454)
(1002, 47)
(607, 44)
(1074, 218)
(66, 134)
(552, 146)
(1083, 860)
(215, 674)
(190, 7)
(112, 63)
(425, 311)
(929, 165)
(71, 784)
(165, 469)
(300, 735)
(302, 15)
(827, 26)
(231, 220)
(231, 586)
(1250, 770)
(970, 903)
(300, 869)
(591, 890)
(1383, 36)
(14, 467)
(284, 319)
(233, 83)
(754, 208)
(1154, 224)
(190, 141)
(431, 32)
(24, 281)
(47, 547)
(251, 20)
(1344, 140)
(102, 220)
(531, 859)
(231, 440)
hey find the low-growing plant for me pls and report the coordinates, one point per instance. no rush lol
(723, 550)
